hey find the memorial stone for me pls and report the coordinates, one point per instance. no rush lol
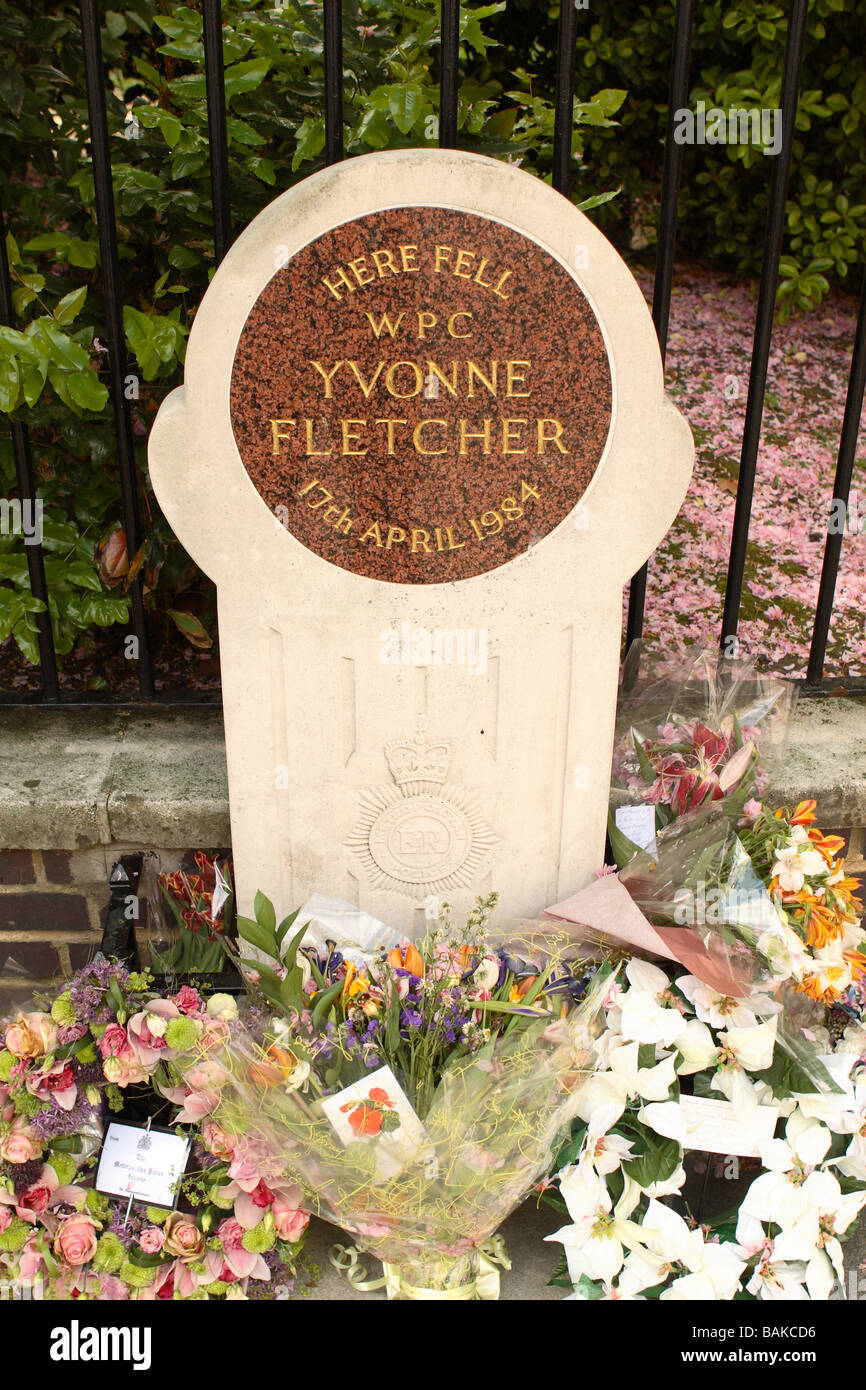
(422, 445)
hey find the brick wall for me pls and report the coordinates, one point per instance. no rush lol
(53, 909)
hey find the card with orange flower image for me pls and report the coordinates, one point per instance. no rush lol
(377, 1111)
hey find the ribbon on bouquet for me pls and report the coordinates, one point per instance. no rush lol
(485, 1285)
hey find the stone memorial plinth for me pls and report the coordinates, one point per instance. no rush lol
(422, 445)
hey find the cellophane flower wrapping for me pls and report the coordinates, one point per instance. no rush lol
(711, 890)
(692, 735)
(419, 1160)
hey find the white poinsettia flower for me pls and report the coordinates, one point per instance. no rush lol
(644, 1019)
(696, 1046)
(650, 1083)
(665, 1186)
(642, 975)
(602, 1091)
(843, 1111)
(666, 1118)
(667, 1235)
(720, 1010)
(752, 1239)
(717, 1277)
(596, 1243)
(780, 1194)
(744, 1050)
(752, 1046)
(604, 1152)
(777, 1281)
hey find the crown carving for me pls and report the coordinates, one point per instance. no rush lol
(418, 764)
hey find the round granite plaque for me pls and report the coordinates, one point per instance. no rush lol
(421, 394)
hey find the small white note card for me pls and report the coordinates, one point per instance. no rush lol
(638, 823)
(377, 1111)
(145, 1164)
(712, 1125)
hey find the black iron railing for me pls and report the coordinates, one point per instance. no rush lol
(562, 168)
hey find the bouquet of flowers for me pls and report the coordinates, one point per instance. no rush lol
(416, 1091)
(683, 742)
(108, 1044)
(682, 1067)
(195, 911)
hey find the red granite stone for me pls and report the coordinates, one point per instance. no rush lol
(367, 484)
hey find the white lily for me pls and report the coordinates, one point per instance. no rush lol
(787, 870)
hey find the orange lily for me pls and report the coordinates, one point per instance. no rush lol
(277, 1066)
(805, 813)
(409, 959)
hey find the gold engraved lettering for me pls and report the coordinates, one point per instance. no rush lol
(512, 376)
(417, 436)
(341, 276)
(497, 288)
(396, 535)
(408, 258)
(463, 258)
(467, 434)
(277, 434)
(351, 436)
(311, 449)
(327, 376)
(434, 371)
(555, 437)
(385, 323)
(420, 540)
(366, 386)
(425, 320)
(509, 437)
(461, 314)
(384, 258)
(485, 284)
(361, 271)
(390, 380)
(439, 255)
(473, 370)
(390, 424)
(374, 532)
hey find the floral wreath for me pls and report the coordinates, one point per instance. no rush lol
(105, 1043)
(665, 1036)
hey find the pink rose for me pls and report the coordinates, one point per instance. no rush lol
(75, 1241)
(231, 1233)
(20, 1144)
(151, 1239)
(289, 1222)
(5, 1218)
(188, 1000)
(113, 1041)
(183, 1237)
(31, 1035)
